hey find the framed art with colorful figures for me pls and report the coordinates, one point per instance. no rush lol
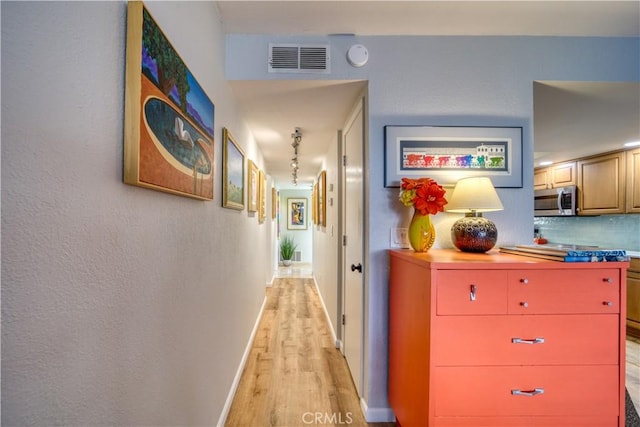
(449, 153)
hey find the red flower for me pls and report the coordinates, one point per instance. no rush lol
(425, 194)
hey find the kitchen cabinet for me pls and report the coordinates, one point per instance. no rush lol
(633, 181)
(504, 340)
(601, 184)
(559, 175)
(633, 298)
(541, 178)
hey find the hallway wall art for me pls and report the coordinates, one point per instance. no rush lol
(253, 178)
(232, 172)
(169, 120)
(297, 212)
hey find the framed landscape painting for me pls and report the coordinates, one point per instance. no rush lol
(232, 172)
(169, 120)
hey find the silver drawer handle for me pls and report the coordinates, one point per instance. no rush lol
(472, 293)
(533, 341)
(533, 392)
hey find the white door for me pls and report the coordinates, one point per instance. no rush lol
(353, 268)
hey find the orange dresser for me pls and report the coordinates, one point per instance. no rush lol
(501, 340)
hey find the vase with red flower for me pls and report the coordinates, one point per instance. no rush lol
(427, 198)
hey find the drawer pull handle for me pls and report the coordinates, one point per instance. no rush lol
(607, 280)
(607, 303)
(533, 341)
(524, 281)
(524, 304)
(533, 392)
(472, 294)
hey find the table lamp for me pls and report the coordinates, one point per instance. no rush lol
(472, 196)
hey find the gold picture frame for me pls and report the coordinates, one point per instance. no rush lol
(262, 198)
(274, 202)
(322, 199)
(253, 187)
(314, 204)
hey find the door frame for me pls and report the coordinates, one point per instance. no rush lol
(360, 106)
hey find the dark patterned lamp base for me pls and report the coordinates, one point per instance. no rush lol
(474, 233)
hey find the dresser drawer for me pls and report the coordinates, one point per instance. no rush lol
(579, 339)
(564, 291)
(561, 391)
(471, 292)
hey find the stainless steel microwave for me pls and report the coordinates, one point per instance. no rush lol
(561, 201)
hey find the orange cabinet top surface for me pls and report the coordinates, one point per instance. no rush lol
(453, 259)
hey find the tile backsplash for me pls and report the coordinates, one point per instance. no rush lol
(608, 231)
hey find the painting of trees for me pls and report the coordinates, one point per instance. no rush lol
(171, 71)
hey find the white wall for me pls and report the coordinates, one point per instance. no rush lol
(120, 305)
(326, 240)
(460, 81)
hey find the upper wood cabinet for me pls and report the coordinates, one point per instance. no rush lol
(541, 178)
(633, 181)
(601, 184)
(559, 175)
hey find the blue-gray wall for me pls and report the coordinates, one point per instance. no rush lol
(462, 81)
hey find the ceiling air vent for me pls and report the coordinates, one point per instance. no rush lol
(296, 58)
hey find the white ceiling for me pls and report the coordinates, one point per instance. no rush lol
(575, 119)
(273, 109)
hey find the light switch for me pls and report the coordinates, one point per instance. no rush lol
(400, 238)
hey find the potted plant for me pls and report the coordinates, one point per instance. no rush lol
(287, 249)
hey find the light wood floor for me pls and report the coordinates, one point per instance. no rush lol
(294, 375)
(633, 371)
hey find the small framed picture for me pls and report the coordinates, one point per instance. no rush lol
(232, 173)
(254, 186)
(297, 214)
(322, 199)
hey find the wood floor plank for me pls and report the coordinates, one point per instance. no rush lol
(294, 375)
(633, 371)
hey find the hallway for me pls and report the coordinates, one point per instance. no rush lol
(294, 375)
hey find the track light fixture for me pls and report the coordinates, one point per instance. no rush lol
(297, 139)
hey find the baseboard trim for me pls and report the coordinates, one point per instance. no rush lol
(334, 337)
(377, 415)
(236, 380)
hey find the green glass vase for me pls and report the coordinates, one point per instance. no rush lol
(422, 234)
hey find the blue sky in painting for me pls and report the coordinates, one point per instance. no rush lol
(200, 102)
(235, 165)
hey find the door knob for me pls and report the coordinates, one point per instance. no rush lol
(355, 267)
